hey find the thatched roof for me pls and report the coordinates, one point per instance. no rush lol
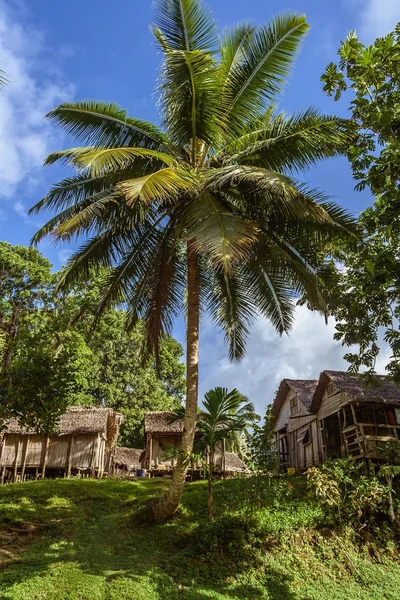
(162, 422)
(304, 388)
(77, 419)
(234, 464)
(131, 458)
(358, 388)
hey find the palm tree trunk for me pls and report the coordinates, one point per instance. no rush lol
(210, 487)
(167, 506)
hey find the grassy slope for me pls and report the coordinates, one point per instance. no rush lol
(86, 539)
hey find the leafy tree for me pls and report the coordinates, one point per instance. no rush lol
(38, 377)
(51, 358)
(209, 202)
(263, 455)
(366, 297)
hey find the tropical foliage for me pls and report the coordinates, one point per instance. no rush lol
(51, 358)
(367, 295)
(224, 416)
(209, 201)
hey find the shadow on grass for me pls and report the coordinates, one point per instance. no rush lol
(83, 539)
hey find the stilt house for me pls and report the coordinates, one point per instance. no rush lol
(339, 415)
(84, 443)
(162, 430)
(128, 461)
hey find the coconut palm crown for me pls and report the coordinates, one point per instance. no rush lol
(204, 211)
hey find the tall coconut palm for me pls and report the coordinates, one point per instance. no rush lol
(203, 212)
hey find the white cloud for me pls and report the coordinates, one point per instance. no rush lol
(64, 255)
(34, 88)
(377, 18)
(308, 350)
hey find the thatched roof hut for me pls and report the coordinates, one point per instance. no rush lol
(129, 458)
(234, 464)
(303, 388)
(357, 388)
(84, 440)
(163, 421)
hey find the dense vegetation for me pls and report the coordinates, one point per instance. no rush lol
(204, 212)
(51, 357)
(366, 297)
(89, 540)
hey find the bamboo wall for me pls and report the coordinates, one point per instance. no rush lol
(23, 456)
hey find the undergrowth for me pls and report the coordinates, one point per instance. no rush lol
(271, 539)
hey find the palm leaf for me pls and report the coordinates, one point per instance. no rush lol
(291, 143)
(185, 24)
(102, 124)
(217, 233)
(165, 185)
(231, 308)
(267, 59)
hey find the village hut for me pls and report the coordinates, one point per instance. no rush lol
(162, 430)
(295, 427)
(340, 415)
(355, 414)
(83, 443)
(128, 461)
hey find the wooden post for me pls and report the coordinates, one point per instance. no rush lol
(101, 458)
(28, 437)
(70, 450)
(3, 471)
(95, 456)
(16, 460)
(46, 450)
(150, 450)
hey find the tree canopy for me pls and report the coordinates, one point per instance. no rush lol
(366, 296)
(52, 358)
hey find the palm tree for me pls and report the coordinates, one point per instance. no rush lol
(206, 206)
(225, 414)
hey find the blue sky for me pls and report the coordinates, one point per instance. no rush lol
(57, 51)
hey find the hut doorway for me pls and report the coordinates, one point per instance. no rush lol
(283, 449)
(332, 436)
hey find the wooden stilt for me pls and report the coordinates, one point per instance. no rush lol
(25, 457)
(46, 451)
(16, 460)
(70, 451)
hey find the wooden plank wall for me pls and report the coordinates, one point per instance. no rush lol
(82, 452)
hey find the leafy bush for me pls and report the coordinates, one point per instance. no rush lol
(348, 494)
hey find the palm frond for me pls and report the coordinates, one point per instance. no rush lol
(217, 233)
(266, 192)
(272, 294)
(98, 161)
(268, 56)
(106, 124)
(165, 185)
(186, 24)
(189, 99)
(231, 308)
(232, 48)
(291, 143)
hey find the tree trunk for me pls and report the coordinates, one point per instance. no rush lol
(210, 487)
(168, 505)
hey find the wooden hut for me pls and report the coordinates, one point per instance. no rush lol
(84, 443)
(354, 415)
(128, 461)
(295, 428)
(340, 415)
(162, 430)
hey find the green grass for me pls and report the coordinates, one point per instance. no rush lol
(88, 539)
